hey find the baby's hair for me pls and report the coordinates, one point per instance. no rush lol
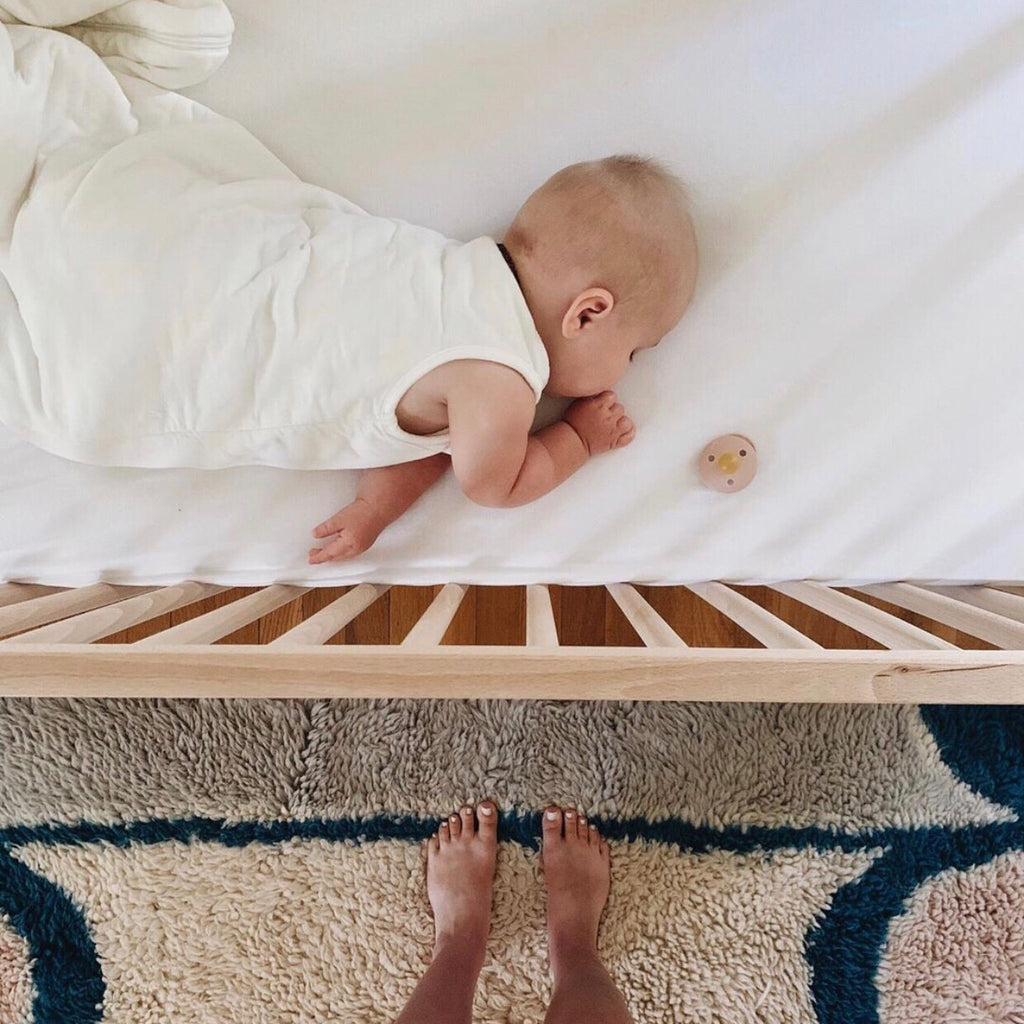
(621, 216)
(647, 175)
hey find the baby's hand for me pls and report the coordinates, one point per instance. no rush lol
(601, 422)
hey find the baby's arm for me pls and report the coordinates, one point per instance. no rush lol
(497, 462)
(384, 494)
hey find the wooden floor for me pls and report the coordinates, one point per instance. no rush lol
(585, 616)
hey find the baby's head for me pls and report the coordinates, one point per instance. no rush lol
(606, 256)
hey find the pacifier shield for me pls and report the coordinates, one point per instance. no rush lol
(728, 463)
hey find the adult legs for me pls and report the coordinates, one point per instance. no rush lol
(460, 875)
(577, 871)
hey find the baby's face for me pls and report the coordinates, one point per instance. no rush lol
(599, 356)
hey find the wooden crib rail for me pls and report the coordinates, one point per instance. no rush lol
(57, 642)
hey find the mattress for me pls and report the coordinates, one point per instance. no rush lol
(858, 193)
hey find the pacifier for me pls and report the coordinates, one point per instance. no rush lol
(728, 463)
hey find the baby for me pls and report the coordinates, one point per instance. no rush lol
(249, 318)
(605, 256)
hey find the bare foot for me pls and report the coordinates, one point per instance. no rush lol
(460, 874)
(577, 871)
(357, 525)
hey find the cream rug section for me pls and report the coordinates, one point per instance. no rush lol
(174, 860)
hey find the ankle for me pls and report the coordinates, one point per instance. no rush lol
(571, 956)
(462, 948)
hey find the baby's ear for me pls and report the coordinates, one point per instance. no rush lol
(586, 309)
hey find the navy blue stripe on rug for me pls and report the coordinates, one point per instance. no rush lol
(66, 971)
(845, 949)
(983, 746)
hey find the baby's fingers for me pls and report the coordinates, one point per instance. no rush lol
(328, 526)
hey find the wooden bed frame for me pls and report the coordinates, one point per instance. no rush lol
(885, 643)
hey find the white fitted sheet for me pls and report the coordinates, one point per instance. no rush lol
(858, 186)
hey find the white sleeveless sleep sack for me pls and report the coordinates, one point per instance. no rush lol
(189, 302)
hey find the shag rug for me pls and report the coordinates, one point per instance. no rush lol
(262, 861)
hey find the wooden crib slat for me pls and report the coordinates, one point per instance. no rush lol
(40, 610)
(1007, 604)
(434, 622)
(112, 618)
(12, 593)
(319, 628)
(540, 618)
(865, 618)
(996, 629)
(763, 626)
(649, 625)
(205, 629)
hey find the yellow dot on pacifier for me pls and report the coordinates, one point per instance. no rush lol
(728, 463)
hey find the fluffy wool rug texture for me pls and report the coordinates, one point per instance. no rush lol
(263, 860)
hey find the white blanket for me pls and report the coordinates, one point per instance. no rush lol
(860, 207)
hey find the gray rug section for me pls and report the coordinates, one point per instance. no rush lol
(851, 767)
(64, 760)
(848, 767)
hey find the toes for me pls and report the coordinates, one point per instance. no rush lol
(468, 824)
(569, 813)
(552, 826)
(444, 835)
(595, 836)
(487, 819)
(582, 829)
(454, 826)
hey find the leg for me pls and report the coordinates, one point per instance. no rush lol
(460, 874)
(384, 494)
(576, 868)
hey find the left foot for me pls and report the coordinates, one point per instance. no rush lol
(461, 860)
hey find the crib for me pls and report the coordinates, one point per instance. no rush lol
(895, 642)
(855, 350)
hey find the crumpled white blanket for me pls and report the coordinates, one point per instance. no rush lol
(858, 199)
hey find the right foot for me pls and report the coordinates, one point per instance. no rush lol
(577, 871)
(461, 860)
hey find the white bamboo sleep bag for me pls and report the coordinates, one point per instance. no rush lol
(190, 303)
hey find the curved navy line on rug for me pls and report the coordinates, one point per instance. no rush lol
(843, 950)
(66, 972)
(983, 746)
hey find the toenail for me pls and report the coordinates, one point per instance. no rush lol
(551, 815)
(568, 814)
(583, 820)
(454, 817)
(593, 828)
(484, 809)
(467, 810)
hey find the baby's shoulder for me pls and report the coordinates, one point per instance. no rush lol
(477, 388)
(460, 378)
(486, 382)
